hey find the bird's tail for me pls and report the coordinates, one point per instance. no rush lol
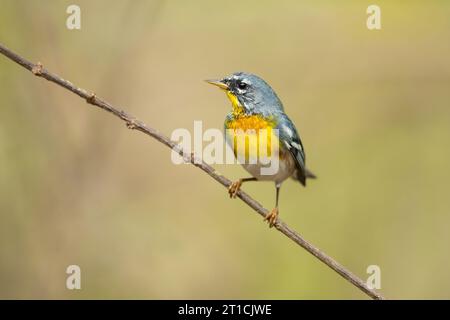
(301, 176)
(310, 175)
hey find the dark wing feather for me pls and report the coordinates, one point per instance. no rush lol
(290, 139)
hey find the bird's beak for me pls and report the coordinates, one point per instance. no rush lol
(218, 83)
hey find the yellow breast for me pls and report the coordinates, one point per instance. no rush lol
(251, 137)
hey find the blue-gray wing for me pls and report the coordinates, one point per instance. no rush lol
(290, 139)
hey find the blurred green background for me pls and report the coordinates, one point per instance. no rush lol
(77, 187)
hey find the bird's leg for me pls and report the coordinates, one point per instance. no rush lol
(235, 186)
(273, 215)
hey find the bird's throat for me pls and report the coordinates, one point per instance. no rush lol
(238, 109)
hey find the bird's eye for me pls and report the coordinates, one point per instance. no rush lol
(242, 85)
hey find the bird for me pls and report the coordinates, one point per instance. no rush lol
(256, 106)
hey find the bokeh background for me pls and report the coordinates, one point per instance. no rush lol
(77, 187)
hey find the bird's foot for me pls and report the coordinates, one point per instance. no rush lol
(234, 188)
(272, 217)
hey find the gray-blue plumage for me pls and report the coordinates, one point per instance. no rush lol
(258, 97)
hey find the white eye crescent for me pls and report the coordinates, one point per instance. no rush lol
(242, 85)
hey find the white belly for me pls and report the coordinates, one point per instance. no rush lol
(286, 168)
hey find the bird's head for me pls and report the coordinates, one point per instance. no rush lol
(248, 93)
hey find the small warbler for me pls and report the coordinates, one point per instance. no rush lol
(256, 106)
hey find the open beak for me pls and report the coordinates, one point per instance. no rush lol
(218, 83)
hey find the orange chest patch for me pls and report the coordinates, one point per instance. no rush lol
(252, 122)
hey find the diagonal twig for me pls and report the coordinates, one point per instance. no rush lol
(134, 124)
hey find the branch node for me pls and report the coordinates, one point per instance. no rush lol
(186, 156)
(37, 69)
(131, 124)
(195, 160)
(91, 98)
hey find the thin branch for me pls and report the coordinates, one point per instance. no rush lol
(133, 123)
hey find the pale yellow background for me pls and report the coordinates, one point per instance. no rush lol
(77, 187)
